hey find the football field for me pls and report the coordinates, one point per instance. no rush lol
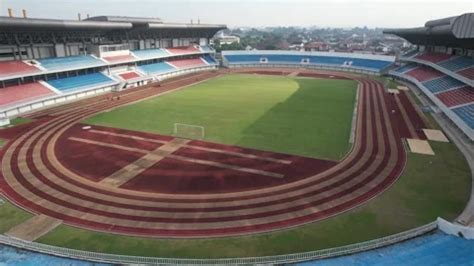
(302, 116)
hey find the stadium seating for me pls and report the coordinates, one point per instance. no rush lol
(433, 57)
(129, 75)
(457, 96)
(423, 73)
(314, 60)
(442, 84)
(209, 59)
(15, 68)
(466, 113)
(157, 68)
(243, 59)
(432, 249)
(468, 73)
(81, 82)
(187, 63)
(71, 62)
(292, 59)
(23, 93)
(405, 68)
(367, 63)
(119, 59)
(150, 53)
(183, 50)
(457, 63)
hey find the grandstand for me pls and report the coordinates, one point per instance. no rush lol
(373, 64)
(442, 66)
(93, 64)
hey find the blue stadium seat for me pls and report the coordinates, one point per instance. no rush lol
(71, 62)
(209, 59)
(442, 84)
(243, 59)
(466, 113)
(328, 60)
(150, 53)
(285, 59)
(81, 82)
(368, 63)
(458, 63)
(157, 68)
(433, 249)
(313, 59)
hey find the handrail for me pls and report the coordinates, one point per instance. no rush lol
(288, 258)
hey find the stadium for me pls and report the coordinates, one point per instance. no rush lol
(130, 140)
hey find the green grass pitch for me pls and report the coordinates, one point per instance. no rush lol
(303, 116)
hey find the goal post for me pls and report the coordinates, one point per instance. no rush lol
(187, 131)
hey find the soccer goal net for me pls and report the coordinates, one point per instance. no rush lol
(187, 131)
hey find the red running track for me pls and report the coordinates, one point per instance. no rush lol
(44, 185)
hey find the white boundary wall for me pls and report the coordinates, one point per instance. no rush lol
(455, 229)
(323, 67)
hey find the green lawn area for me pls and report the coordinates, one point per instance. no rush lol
(2, 142)
(304, 116)
(431, 186)
(19, 121)
(10, 215)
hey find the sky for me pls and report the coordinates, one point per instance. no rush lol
(255, 13)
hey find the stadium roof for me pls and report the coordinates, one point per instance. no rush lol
(455, 31)
(101, 23)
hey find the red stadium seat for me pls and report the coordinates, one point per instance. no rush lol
(457, 96)
(423, 73)
(22, 93)
(433, 57)
(129, 75)
(14, 68)
(468, 73)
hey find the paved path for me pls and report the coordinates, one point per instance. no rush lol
(34, 227)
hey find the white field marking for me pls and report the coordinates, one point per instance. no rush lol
(244, 155)
(181, 158)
